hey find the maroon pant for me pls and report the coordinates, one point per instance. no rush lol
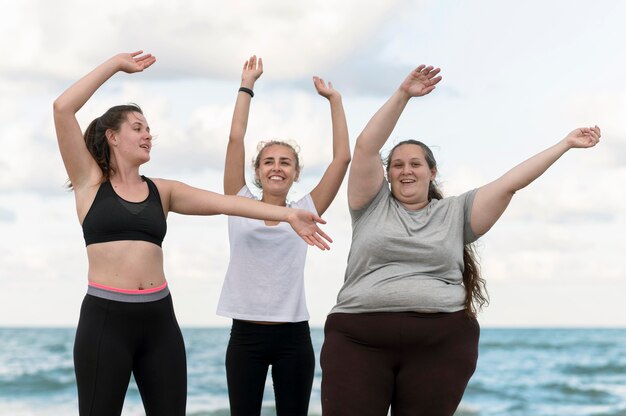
(417, 363)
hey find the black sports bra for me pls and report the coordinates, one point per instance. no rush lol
(111, 218)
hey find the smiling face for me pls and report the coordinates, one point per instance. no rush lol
(410, 175)
(132, 142)
(276, 169)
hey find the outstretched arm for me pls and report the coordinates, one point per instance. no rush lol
(366, 174)
(234, 168)
(80, 165)
(492, 199)
(326, 190)
(185, 199)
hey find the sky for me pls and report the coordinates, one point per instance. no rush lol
(517, 77)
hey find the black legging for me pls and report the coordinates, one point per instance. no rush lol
(416, 363)
(114, 339)
(252, 349)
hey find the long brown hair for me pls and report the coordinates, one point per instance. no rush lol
(476, 296)
(96, 140)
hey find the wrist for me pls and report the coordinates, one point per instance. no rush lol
(246, 90)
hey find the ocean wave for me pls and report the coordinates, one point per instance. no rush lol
(594, 369)
(38, 383)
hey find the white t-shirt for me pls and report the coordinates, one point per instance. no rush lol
(265, 277)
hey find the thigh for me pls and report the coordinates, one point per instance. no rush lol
(438, 361)
(293, 368)
(160, 367)
(102, 359)
(357, 366)
(247, 363)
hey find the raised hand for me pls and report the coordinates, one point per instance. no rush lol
(323, 90)
(304, 224)
(583, 137)
(420, 81)
(134, 61)
(252, 70)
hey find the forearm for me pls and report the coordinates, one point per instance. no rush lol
(526, 172)
(77, 95)
(188, 200)
(241, 113)
(379, 128)
(341, 144)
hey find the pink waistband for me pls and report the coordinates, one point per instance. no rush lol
(129, 291)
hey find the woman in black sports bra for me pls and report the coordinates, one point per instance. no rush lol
(127, 324)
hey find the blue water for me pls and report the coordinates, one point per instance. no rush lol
(525, 372)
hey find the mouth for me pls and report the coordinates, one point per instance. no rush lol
(145, 146)
(276, 178)
(406, 181)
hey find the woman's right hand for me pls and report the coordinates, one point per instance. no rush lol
(252, 70)
(134, 61)
(420, 81)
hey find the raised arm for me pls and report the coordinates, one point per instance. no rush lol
(79, 164)
(492, 199)
(185, 199)
(366, 173)
(326, 190)
(234, 167)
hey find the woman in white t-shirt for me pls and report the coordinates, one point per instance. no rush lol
(263, 290)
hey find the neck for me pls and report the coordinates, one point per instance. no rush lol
(414, 206)
(280, 200)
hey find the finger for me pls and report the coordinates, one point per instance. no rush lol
(319, 242)
(419, 68)
(149, 63)
(260, 67)
(435, 80)
(434, 72)
(426, 70)
(597, 130)
(143, 57)
(330, 85)
(323, 234)
(245, 65)
(319, 220)
(312, 241)
(133, 54)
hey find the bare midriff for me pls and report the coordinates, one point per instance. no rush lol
(132, 265)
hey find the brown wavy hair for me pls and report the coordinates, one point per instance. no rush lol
(476, 296)
(96, 140)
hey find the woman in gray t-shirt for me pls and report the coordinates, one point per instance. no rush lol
(404, 332)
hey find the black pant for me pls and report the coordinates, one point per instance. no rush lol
(416, 363)
(252, 349)
(114, 339)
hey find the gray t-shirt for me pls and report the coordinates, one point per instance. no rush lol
(403, 260)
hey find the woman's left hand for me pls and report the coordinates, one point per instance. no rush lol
(304, 224)
(583, 137)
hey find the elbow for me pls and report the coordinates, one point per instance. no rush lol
(59, 106)
(344, 160)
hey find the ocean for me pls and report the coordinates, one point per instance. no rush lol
(521, 372)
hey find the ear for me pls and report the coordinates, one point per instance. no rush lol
(433, 174)
(297, 176)
(111, 137)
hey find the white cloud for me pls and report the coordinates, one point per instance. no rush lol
(197, 38)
